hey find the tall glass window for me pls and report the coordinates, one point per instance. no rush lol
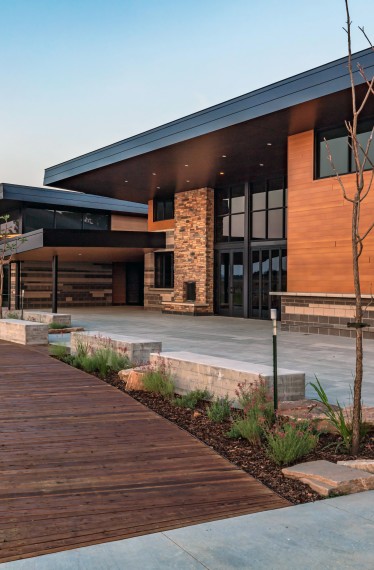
(39, 218)
(230, 217)
(268, 210)
(164, 270)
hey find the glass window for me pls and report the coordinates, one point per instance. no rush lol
(275, 224)
(259, 225)
(237, 226)
(342, 155)
(259, 201)
(11, 225)
(276, 199)
(36, 219)
(163, 209)
(68, 220)
(164, 270)
(229, 218)
(95, 221)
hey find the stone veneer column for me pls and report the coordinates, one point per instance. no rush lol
(194, 247)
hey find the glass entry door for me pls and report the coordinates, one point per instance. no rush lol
(230, 283)
(268, 273)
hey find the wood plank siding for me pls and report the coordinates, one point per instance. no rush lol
(83, 463)
(319, 227)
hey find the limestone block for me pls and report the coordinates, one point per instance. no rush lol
(45, 317)
(221, 376)
(329, 478)
(23, 332)
(137, 349)
(124, 374)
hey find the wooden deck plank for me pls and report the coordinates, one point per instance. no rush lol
(83, 463)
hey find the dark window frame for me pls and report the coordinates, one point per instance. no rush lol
(267, 188)
(363, 127)
(229, 214)
(163, 279)
(71, 210)
(163, 202)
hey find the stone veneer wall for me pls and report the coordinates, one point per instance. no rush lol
(194, 251)
(83, 284)
(323, 315)
(153, 297)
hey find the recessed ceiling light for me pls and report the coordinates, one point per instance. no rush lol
(224, 156)
(269, 144)
(158, 187)
(126, 180)
(187, 180)
(186, 165)
(261, 164)
(79, 254)
(222, 173)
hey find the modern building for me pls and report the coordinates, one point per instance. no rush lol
(76, 249)
(250, 210)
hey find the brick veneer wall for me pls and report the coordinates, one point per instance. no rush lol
(83, 284)
(323, 315)
(193, 251)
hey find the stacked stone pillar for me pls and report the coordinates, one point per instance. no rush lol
(193, 252)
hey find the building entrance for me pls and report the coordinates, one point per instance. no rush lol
(230, 283)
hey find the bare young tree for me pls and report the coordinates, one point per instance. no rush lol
(8, 248)
(363, 175)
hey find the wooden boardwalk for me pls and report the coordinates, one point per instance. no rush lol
(83, 463)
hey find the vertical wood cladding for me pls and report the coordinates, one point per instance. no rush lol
(82, 284)
(319, 227)
(119, 284)
(194, 243)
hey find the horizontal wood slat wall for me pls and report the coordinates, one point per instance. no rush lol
(319, 227)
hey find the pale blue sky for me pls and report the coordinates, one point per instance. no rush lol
(80, 74)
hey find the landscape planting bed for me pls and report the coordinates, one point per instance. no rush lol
(250, 458)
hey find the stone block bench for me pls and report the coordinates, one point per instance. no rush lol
(23, 332)
(137, 349)
(221, 376)
(47, 318)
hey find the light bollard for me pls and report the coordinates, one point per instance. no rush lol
(273, 316)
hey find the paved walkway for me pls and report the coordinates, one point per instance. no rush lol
(82, 463)
(330, 358)
(335, 534)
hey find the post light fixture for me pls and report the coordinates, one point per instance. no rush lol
(273, 316)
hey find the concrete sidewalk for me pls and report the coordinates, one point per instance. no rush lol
(331, 534)
(330, 358)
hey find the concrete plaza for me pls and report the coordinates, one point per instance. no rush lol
(330, 358)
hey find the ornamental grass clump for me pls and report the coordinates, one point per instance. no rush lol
(289, 441)
(258, 412)
(219, 410)
(158, 381)
(191, 399)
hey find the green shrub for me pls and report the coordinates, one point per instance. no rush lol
(337, 417)
(57, 326)
(290, 441)
(102, 362)
(13, 315)
(191, 399)
(158, 381)
(250, 427)
(61, 352)
(219, 410)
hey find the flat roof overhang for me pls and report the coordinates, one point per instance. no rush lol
(154, 163)
(98, 246)
(13, 195)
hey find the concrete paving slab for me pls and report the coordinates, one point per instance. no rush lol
(335, 534)
(331, 359)
(152, 552)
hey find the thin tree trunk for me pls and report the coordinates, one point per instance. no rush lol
(356, 415)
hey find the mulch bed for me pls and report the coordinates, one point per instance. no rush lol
(250, 458)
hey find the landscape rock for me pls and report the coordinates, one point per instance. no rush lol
(124, 374)
(328, 478)
(362, 464)
(135, 379)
